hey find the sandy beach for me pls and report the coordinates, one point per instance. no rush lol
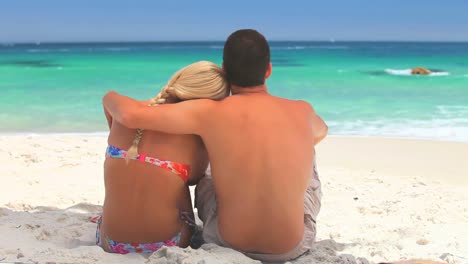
(383, 200)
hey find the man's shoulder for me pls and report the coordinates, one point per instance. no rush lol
(304, 106)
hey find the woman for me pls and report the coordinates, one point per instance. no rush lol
(147, 203)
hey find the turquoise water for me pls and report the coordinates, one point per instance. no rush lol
(359, 88)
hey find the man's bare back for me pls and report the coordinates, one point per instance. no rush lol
(261, 151)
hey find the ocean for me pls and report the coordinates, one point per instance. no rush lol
(358, 88)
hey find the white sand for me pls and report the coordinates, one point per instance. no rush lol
(384, 200)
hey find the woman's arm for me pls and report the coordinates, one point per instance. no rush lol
(108, 117)
(185, 208)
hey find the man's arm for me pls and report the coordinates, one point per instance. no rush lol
(188, 117)
(319, 128)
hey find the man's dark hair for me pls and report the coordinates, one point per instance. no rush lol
(246, 58)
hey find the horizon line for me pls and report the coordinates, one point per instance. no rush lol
(38, 42)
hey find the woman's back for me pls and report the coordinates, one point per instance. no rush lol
(147, 202)
(143, 201)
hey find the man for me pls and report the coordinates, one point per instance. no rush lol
(266, 194)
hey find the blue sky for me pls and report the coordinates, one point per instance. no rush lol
(139, 20)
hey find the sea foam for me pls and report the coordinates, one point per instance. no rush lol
(436, 129)
(323, 47)
(407, 72)
(37, 50)
(117, 49)
(216, 47)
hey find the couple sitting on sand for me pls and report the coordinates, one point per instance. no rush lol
(262, 195)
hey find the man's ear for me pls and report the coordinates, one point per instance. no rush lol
(268, 72)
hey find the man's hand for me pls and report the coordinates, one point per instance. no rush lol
(120, 107)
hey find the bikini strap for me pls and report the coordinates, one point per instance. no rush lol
(179, 169)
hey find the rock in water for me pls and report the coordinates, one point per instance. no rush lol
(420, 71)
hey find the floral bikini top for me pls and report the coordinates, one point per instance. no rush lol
(179, 169)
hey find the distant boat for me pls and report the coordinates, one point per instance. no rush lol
(332, 40)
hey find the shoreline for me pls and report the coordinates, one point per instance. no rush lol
(105, 134)
(439, 161)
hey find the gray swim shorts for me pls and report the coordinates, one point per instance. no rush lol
(205, 202)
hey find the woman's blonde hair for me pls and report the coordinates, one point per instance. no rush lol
(199, 80)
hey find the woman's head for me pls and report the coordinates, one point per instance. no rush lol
(199, 80)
